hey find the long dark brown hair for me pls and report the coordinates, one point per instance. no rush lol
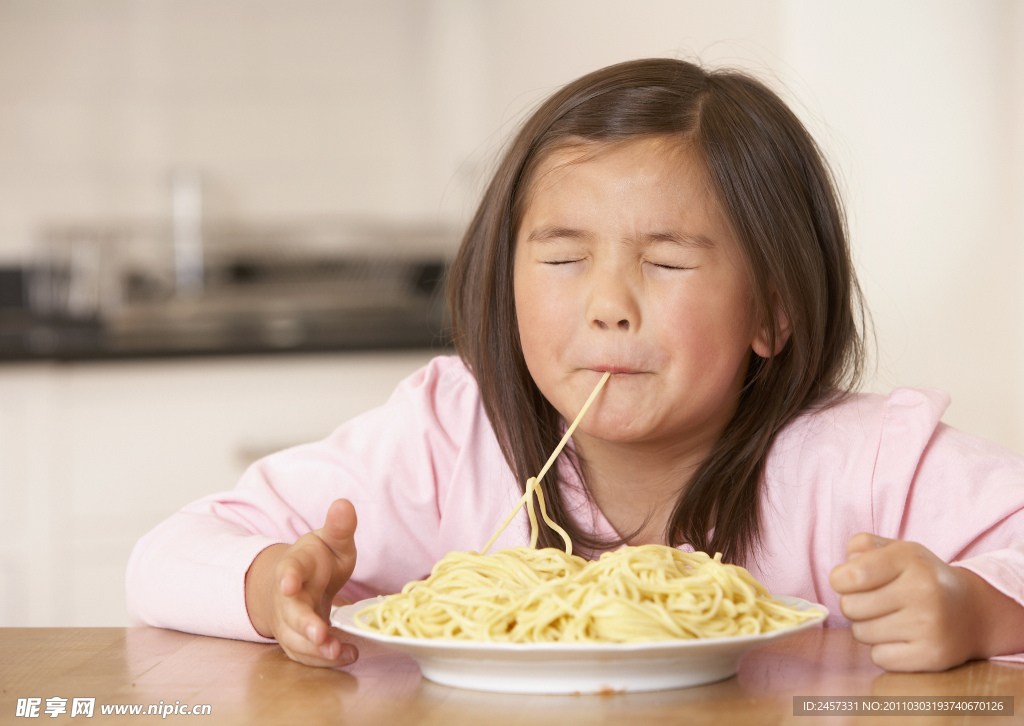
(774, 185)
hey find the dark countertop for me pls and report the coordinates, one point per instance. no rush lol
(315, 306)
(25, 338)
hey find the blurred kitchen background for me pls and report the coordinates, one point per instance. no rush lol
(224, 223)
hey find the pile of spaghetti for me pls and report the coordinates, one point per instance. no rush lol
(530, 595)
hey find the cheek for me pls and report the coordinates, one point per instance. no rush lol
(707, 326)
(531, 321)
(544, 313)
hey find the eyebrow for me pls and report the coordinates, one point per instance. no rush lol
(683, 240)
(548, 234)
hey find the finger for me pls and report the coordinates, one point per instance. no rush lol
(298, 648)
(338, 535)
(894, 656)
(871, 604)
(333, 653)
(298, 614)
(290, 577)
(339, 528)
(294, 569)
(331, 648)
(348, 652)
(308, 565)
(306, 633)
(901, 642)
(915, 655)
(864, 542)
(869, 570)
(889, 628)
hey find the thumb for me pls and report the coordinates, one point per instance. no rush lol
(864, 542)
(338, 533)
(339, 528)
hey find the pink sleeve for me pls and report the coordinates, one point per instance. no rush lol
(966, 503)
(1004, 570)
(888, 465)
(398, 465)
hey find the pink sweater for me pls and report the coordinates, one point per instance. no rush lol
(426, 476)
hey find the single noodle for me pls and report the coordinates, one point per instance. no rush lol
(530, 595)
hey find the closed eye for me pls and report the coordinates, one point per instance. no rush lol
(671, 267)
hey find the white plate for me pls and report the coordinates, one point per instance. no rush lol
(575, 668)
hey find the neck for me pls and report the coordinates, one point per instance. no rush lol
(636, 485)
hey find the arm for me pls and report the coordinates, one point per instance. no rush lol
(189, 573)
(945, 582)
(917, 612)
(400, 466)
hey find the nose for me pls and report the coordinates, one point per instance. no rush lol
(613, 304)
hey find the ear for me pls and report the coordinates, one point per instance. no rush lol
(761, 345)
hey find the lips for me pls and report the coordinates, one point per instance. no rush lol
(617, 370)
(619, 362)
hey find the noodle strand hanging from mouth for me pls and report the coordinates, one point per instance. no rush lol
(533, 484)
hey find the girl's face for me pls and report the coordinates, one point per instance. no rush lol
(625, 262)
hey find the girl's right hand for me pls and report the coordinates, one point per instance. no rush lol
(289, 590)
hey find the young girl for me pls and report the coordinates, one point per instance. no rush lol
(678, 228)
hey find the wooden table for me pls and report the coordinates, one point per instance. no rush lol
(248, 683)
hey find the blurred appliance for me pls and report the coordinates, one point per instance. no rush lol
(117, 290)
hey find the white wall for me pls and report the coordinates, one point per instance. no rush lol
(289, 109)
(397, 107)
(294, 109)
(919, 103)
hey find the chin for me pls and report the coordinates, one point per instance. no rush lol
(618, 429)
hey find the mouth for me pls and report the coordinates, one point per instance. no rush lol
(618, 370)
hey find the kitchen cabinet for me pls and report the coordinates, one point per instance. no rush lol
(93, 455)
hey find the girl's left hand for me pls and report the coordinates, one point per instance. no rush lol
(916, 612)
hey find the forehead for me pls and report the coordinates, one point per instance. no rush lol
(659, 179)
(670, 153)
